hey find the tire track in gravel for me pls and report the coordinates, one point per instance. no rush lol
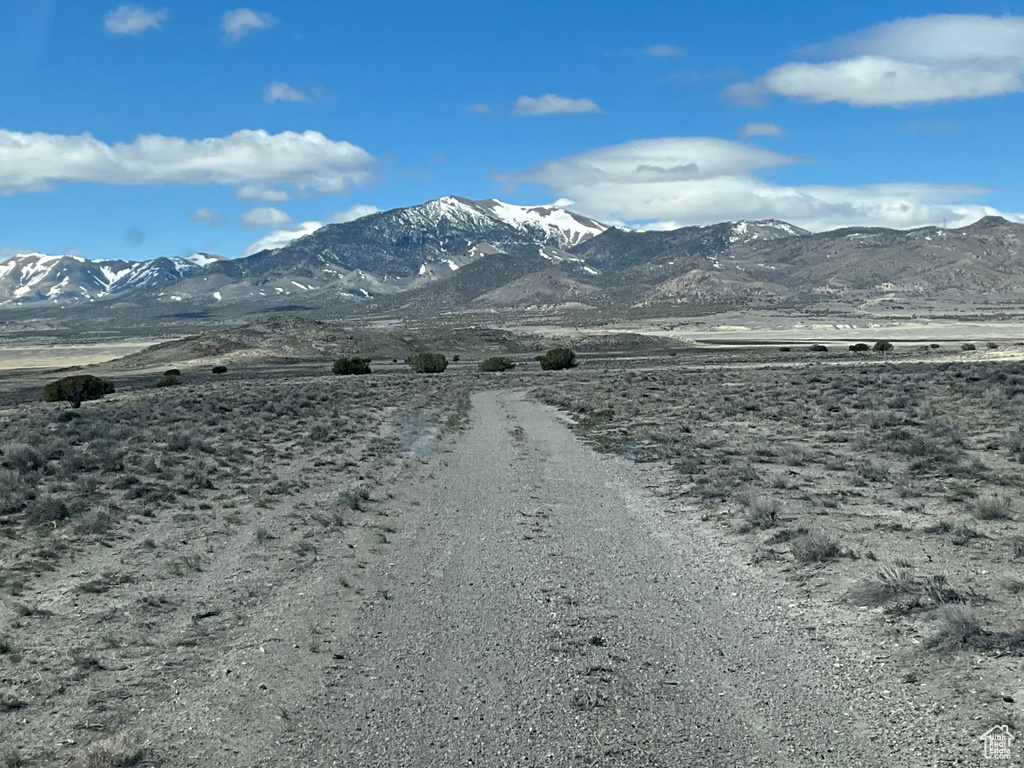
(530, 614)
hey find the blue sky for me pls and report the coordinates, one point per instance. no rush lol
(166, 128)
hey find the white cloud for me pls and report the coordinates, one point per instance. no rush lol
(909, 61)
(480, 109)
(760, 129)
(549, 104)
(132, 19)
(241, 21)
(353, 213)
(282, 237)
(276, 91)
(672, 182)
(308, 161)
(289, 232)
(206, 216)
(265, 217)
(665, 51)
(261, 193)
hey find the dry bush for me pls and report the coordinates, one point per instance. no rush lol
(815, 548)
(957, 628)
(119, 751)
(992, 508)
(890, 582)
(760, 513)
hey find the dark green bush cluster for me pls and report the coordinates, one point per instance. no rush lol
(861, 347)
(557, 359)
(220, 369)
(495, 364)
(883, 346)
(427, 362)
(351, 366)
(76, 389)
(819, 348)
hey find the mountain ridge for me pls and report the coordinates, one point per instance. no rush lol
(454, 251)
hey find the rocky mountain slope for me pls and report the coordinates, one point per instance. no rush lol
(455, 252)
(35, 277)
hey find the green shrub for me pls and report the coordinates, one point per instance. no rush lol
(495, 364)
(967, 347)
(172, 372)
(883, 346)
(819, 348)
(861, 347)
(76, 389)
(427, 362)
(557, 359)
(351, 366)
(220, 369)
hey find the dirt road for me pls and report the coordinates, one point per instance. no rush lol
(531, 612)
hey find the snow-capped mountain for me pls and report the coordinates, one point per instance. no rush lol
(393, 251)
(556, 226)
(767, 229)
(32, 277)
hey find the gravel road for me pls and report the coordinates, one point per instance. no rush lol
(530, 612)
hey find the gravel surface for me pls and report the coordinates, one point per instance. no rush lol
(533, 610)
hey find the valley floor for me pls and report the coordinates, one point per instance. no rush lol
(780, 559)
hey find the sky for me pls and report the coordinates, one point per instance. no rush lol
(132, 131)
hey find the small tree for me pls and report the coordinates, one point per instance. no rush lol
(427, 362)
(351, 366)
(557, 359)
(76, 389)
(496, 364)
(883, 346)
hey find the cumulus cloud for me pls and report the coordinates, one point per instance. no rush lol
(282, 237)
(241, 21)
(909, 61)
(253, 192)
(760, 129)
(259, 218)
(480, 109)
(351, 214)
(673, 182)
(308, 161)
(206, 216)
(549, 104)
(276, 91)
(665, 51)
(132, 20)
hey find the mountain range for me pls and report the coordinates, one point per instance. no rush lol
(458, 252)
